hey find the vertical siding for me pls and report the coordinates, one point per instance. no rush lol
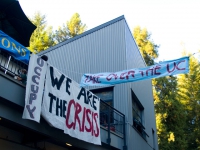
(109, 49)
(136, 142)
(101, 51)
(143, 90)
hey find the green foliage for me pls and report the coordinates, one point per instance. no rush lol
(189, 95)
(148, 49)
(170, 116)
(70, 29)
(41, 38)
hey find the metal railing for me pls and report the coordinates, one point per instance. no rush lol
(9, 65)
(112, 120)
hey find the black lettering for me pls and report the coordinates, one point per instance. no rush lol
(64, 108)
(58, 106)
(94, 101)
(52, 97)
(68, 85)
(55, 81)
(82, 93)
(89, 95)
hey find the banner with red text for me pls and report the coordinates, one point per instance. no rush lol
(68, 107)
(166, 68)
(34, 88)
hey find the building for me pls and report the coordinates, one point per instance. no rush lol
(127, 115)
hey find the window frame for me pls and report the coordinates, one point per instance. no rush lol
(103, 113)
(138, 125)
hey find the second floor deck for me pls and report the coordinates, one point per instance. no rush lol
(12, 101)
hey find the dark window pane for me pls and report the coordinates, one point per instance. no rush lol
(106, 95)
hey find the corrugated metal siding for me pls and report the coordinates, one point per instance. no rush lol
(108, 49)
(142, 89)
(101, 51)
(134, 60)
(136, 142)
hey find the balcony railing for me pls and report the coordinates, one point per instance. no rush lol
(9, 65)
(113, 121)
(110, 119)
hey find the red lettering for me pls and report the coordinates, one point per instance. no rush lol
(86, 78)
(88, 119)
(142, 73)
(122, 75)
(149, 70)
(156, 68)
(92, 124)
(83, 121)
(112, 75)
(98, 78)
(89, 122)
(94, 79)
(68, 114)
(130, 73)
(178, 64)
(97, 128)
(76, 117)
(172, 69)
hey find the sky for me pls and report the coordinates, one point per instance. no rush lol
(174, 25)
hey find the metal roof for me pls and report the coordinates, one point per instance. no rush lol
(83, 34)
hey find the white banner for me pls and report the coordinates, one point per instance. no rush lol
(166, 68)
(34, 88)
(70, 108)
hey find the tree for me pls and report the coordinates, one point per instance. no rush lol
(170, 116)
(70, 29)
(148, 48)
(170, 119)
(189, 95)
(41, 38)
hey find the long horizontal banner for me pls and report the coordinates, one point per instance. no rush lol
(15, 49)
(166, 68)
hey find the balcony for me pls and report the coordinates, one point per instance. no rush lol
(12, 95)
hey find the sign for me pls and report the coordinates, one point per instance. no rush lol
(166, 68)
(15, 49)
(34, 88)
(68, 107)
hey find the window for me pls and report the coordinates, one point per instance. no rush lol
(137, 110)
(106, 95)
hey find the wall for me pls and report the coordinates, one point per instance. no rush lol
(143, 91)
(108, 48)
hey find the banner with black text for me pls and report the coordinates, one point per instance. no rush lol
(68, 107)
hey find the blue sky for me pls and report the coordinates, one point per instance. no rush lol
(173, 24)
